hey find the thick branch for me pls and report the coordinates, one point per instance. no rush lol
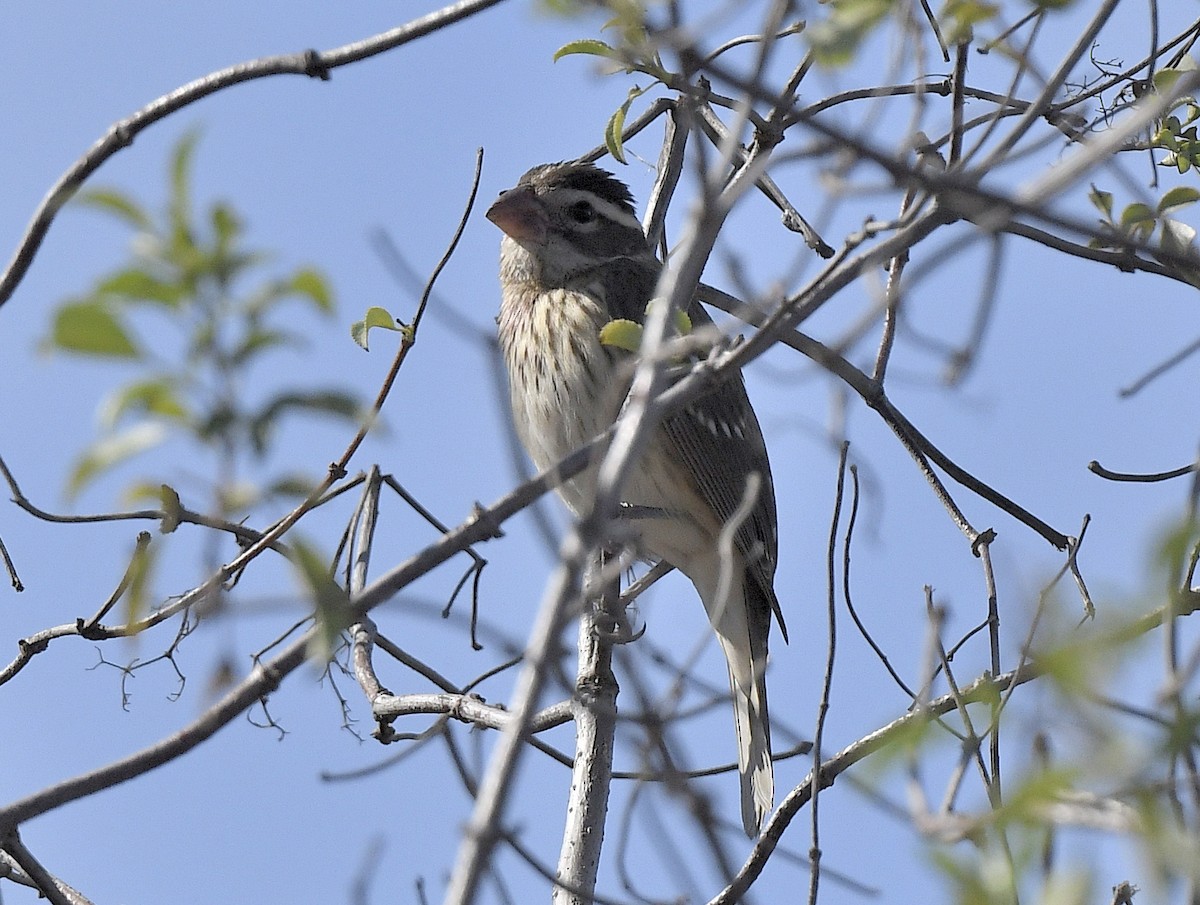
(595, 709)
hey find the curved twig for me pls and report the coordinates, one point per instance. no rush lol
(1097, 469)
(982, 689)
(310, 63)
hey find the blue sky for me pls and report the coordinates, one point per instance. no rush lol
(389, 144)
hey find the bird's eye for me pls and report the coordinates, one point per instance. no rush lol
(582, 212)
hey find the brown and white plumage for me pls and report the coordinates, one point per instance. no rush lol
(573, 258)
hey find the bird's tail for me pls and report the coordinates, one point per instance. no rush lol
(741, 628)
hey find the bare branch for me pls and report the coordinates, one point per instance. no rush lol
(18, 864)
(595, 713)
(981, 689)
(310, 63)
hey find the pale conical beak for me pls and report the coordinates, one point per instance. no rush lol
(520, 214)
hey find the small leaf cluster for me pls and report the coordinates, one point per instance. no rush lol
(332, 612)
(376, 317)
(1139, 221)
(634, 52)
(621, 333)
(189, 275)
(836, 39)
(1176, 132)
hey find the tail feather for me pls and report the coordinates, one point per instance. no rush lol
(742, 630)
(754, 752)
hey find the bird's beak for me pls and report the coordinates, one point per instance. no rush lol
(519, 213)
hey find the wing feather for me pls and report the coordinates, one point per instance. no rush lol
(717, 435)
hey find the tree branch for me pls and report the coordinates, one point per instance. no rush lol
(310, 63)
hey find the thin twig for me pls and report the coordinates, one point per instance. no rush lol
(814, 851)
(136, 563)
(957, 102)
(871, 393)
(848, 598)
(981, 689)
(1050, 89)
(1097, 469)
(1162, 368)
(311, 63)
(240, 533)
(11, 568)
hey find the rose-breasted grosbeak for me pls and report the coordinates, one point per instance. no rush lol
(573, 258)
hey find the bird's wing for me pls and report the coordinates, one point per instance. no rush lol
(719, 438)
(716, 435)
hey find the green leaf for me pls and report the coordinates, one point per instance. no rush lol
(312, 283)
(218, 423)
(226, 262)
(1165, 79)
(683, 323)
(614, 140)
(1164, 84)
(961, 17)
(257, 341)
(172, 508)
(267, 295)
(180, 206)
(612, 133)
(90, 328)
(1136, 213)
(138, 493)
(119, 205)
(293, 485)
(835, 40)
(331, 604)
(375, 317)
(1178, 197)
(1165, 138)
(112, 451)
(1175, 546)
(226, 224)
(1102, 200)
(154, 396)
(1191, 154)
(239, 496)
(622, 334)
(629, 20)
(141, 567)
(193, 262)
(1027, 801)
(136, 284)
(588, 46)
(326, 402)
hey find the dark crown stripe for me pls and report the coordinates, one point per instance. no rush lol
(584, 177)
(600, 182)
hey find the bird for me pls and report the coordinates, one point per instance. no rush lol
(573, 258)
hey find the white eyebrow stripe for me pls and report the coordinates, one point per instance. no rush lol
(612, 211)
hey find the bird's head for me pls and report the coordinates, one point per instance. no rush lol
(564, 219)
